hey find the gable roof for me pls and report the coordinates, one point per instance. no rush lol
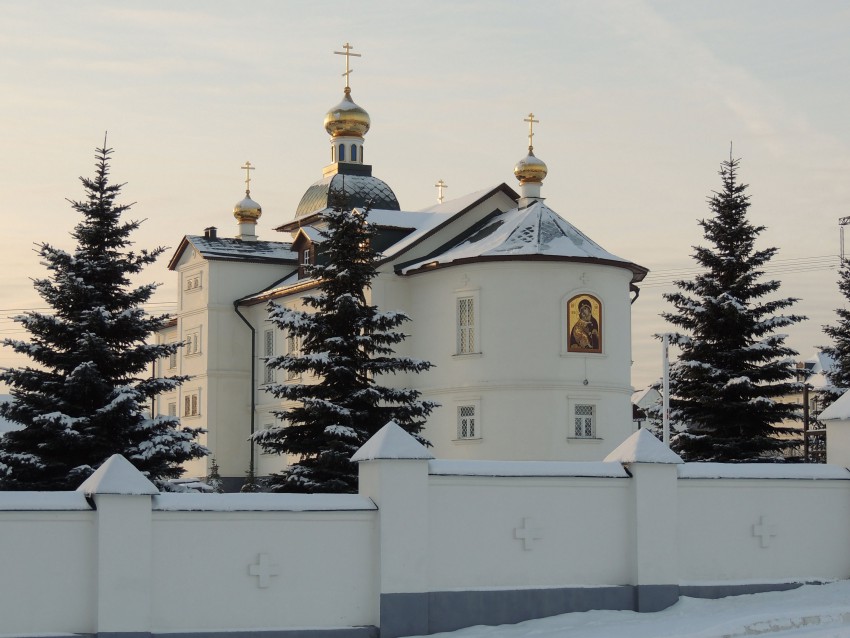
(232, 249)
(531, 232)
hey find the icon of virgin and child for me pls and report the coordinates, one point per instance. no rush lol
(584, 314)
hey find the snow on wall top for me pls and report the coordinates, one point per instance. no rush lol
(838, 410)
(391, 442)
(595, 469)
(643, 447)
(534, 230)
(188, 502)
(231, 248)
(762, 471)
(117, 476)
(43, 501)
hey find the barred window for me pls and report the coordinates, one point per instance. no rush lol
(268, 351)
(584, 416)
(467, 422)
(465, 325)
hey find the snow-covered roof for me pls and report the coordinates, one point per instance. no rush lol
(838, 410)
(594, 469)
(643, 447)
(646, 397)
(232, 249)
(817, 366)
(762, 471)
(259, 502)
(532, 231)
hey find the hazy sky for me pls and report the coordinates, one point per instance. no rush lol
(637, 101)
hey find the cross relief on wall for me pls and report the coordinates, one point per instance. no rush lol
(527, 533)
(764, 530)
(264, 569)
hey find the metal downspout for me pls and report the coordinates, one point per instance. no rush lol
(253, 379)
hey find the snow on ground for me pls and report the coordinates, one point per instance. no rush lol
(811, 611)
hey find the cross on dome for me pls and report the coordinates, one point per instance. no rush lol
(440, 186)
(531, 122)
(247, 167)
(348, 55)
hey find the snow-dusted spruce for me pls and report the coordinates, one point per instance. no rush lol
(839, 375)
(346, 345)
(733, 366)
(86, 396)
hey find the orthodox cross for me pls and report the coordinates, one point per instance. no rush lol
(247, 168)
(440, 186)
(348, 54)
(531, 122)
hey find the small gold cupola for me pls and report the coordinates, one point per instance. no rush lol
(530, 171)
(247, 211)
(347, 122)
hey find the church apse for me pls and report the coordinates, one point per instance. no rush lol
(584, 324)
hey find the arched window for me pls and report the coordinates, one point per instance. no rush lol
(353, 152)
(333, 150)
(361, 155)
(342, 152)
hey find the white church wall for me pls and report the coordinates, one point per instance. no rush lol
(48, 560)
(324, 564)
(582, 524)
(838, 442)
(451, 543)
(519, 369)
(771, 530)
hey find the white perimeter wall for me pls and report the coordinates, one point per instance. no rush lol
(167, 567)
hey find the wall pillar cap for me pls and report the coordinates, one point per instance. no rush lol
(643, 447)
(391, 442)
(117, 476)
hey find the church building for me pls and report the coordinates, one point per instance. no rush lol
(526, 319)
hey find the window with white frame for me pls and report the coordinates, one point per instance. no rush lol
(192, 281)
(172, 358)
(268, 351)
(467, 324)
(193, 341)
(584, 421)
(293, 349)
(306, 257)
(172, 408)
(192, 403)
(468, 426)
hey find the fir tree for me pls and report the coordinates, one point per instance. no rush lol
(839, 375)
(347, 344)
(86, 396)
(733, 366)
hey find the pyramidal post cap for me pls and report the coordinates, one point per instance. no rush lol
(643, 447)
(391, 442)
(118, 476)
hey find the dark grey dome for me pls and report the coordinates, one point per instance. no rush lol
(360, 190)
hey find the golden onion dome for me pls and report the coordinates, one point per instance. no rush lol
(530, 170)
(247, 210)
(347, 119)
